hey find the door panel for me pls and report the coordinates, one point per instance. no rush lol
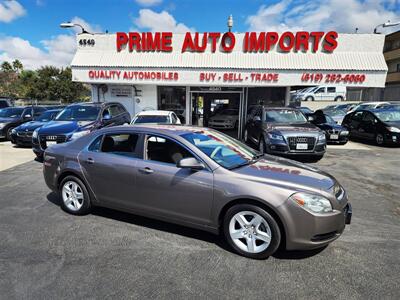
(176, 193)
(111, 177)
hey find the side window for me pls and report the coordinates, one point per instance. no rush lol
(357, 116)
(120, 144)
(331, 89)
(114, 110)
(121, 109)
(320, 90)
(95, 145)
(27, 111)
(165, 150)
(37, 111)
(367, 117)
(107, 112)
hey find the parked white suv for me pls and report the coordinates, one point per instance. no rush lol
(156, 117)
(323, 93)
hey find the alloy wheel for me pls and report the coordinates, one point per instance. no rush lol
(250, 232)
(72, 195)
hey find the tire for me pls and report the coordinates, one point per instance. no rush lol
(379, 139)
(8, 134)
(339, 99)
(261, 145)
(310, 98)
(260, 231)
(75, 205)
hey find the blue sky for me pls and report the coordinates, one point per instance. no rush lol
(29, 30)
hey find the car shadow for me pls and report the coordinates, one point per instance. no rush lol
(181, 230)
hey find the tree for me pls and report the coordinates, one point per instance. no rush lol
(6, 67)
(17, 66)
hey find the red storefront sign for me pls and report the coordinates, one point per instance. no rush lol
(252, 41)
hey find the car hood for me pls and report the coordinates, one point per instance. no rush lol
(65, 127)
(393, 124)
(8, 120)
(287, 172)
(290, 128)
(30, 126)
(327, 126)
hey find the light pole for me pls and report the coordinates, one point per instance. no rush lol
(384, 25)
(70, 25)
(230, 23)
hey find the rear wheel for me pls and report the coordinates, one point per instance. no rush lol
(74, 195)
(251, 231)
(339, 98)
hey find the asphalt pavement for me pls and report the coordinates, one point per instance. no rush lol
(47, 254)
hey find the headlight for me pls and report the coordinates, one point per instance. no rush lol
(393, 129)
(79, 134)
(2, 125)
(312, 202)
(274, 136)
(344, 132)
(35, 134)
(322, 137)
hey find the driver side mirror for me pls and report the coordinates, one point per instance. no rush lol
(28, 116)
(190, 163)
(310, 118)
(257, 119)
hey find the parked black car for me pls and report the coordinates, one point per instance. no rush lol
(5, 102)
(335, 133)
(22, 135)
(77, 120)
(284, 131)
(379, 125)
(12, 117)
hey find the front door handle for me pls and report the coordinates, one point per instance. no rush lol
(90, 161)
(146, 170)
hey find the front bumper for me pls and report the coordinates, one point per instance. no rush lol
(282, 148)
(21, 140)
(221, 125)
(305, 230)
(392, 138)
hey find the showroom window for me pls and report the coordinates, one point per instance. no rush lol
(172, 98)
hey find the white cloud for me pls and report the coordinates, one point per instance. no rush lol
(57, 51)
(148, 2)
(163, 21)
(92, 28)
(10, 10)
(340, 15)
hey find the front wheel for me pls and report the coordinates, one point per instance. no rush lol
(251, 231)
(74, 195)
(261, 145)
(310, 98)
(8, 134)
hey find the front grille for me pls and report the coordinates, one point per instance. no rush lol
(294, 140)
(333, 131)
(24, 133)
(43, 139)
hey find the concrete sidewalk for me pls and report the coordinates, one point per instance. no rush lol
(11, 156)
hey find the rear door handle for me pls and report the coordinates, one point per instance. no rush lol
(90, 161)
(146, 170)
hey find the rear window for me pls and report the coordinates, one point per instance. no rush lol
(151, 119)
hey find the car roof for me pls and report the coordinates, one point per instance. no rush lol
(54, 110)
(154, 113)
(266, 107)
(172, 130)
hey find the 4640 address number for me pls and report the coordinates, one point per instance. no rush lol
(333, 78)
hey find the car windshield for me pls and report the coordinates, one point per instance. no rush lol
(151, 119)
(224, 150)
(329, 120)
(229, 112)
(11, 112)
(285, 116)
(46, 116)
(79, 113)
(389, 115)
(335, 112)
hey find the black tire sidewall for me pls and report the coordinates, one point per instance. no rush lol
(275, 231)
(383, 139)
(8, 133)
(85, 208)
(310, 98)
(263, 143)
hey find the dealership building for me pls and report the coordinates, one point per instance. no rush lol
(195, 73)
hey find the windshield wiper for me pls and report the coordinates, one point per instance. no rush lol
(253, 160)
